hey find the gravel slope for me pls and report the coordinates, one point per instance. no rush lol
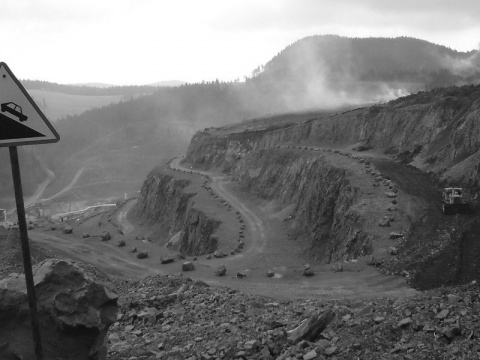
(173, 317)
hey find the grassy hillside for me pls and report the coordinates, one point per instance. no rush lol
(120, 143)
(59, 101)
(57, 105)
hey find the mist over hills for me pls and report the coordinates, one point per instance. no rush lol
(327, 71)
(121, 141)
(85, 89)
(168, 83)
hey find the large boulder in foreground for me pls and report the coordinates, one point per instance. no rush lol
(76, 305)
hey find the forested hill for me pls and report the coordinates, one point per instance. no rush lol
(87, 90)
(161, 123)
(331, 69)
(382, 59)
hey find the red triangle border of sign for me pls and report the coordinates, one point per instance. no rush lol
(37, 109)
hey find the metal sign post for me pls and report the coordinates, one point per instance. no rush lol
(27, 263)
(22, 123)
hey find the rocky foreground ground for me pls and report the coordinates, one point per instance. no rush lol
(173, 317)
(11, 260)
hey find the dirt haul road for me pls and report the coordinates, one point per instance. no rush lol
(122, 219)
(254, 223)
(69, 186)
(92, 251)
(266, 247)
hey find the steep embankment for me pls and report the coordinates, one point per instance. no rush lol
(319, 194)
(330, 202)
(166, 202)
(437, 132)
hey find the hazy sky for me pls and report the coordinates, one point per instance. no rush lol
(127, 42)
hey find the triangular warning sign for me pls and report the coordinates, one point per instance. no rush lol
(21, 121)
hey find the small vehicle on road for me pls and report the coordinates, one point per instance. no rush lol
(13, 109)
(452, 201)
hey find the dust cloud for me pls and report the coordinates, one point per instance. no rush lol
(304, 79)
(466, 68)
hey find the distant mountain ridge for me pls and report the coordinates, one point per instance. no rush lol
(371, 54)
(94, 85)
(168, 83)
(330, 70)
(96, 89)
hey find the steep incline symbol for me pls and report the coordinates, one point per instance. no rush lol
(21, 120)
(12, 129)
(14, 110)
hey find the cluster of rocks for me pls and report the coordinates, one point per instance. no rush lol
(208, 188)
(379, 179)
(172, 317)
(107, 236)
(241, 234)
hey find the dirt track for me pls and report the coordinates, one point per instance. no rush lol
(70, 185)
(267, 247)
(122, 217)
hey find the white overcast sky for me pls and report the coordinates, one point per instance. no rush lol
(134, 42)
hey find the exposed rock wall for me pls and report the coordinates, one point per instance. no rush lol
(196, 234)
(323, 199)
(162, 199)
(439, 131)
(166, 202)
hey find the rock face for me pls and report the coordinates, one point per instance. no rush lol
(437, 130)
(76, 305)
(163, 201)
(325, 212)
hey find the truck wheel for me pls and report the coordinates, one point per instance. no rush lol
(444, 209)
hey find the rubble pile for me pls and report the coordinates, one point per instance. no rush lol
(76, 305)
(173, 317)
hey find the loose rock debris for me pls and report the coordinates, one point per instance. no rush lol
(172, 317)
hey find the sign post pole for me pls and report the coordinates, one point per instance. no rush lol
(27, 263)
(23, 123)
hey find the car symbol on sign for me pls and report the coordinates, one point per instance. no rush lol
(13, 109)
